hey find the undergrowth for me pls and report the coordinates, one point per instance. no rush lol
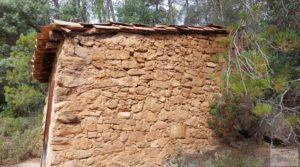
(233, 159)
(19, 138)
(225, 158)
(224, 112)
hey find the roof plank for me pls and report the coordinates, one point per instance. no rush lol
(106, 27)
(66, 23)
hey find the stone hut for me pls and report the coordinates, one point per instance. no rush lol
(125, 95)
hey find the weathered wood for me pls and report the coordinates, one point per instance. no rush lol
(107, 27)
(67, 30)
(126, 27)
(69, 24)
(144, 29)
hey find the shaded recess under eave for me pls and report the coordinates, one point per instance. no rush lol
(50, 37)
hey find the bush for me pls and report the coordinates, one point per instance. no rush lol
(19, 138)
(23, 95)
(261, 109)
(224, 112)
(233, 118)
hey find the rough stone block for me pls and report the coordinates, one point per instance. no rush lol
(137, 107)
(81, 154)
(178, 131)
(152, 104)
(117, 54)
(136, 136)
(112, 104)
(68, 130)
(136, 72)
(210, 64)
(124, 115)
(92, 134)
(81, 144)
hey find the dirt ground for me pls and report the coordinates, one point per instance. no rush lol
(260, 150)
(28, 163)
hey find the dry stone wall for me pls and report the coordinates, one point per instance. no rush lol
(130, 100)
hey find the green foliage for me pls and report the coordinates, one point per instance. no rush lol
(265, 60)
(19, 138)
(4, 50)
(283, 14)
(243, 15)
(28, 101)
(261, 109)
(297, 69)
(223, 40)
(4, 67)
(286, 40)
(23, 95)
(21, 17)
(280, 79)
(233, 159)
(98, 5)
(292, 118)
(136, 11)
(17, 17)
(19, 60)
(280, 83)
(219, 58)
(71, 10)
(245, 81)
(224, 111)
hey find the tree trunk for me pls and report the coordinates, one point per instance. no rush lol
(75, 2)
(107, 10)
(56, 4)
(156, 5)
(218, 11)
(112, 10)
(197, 6)
(187, 19)
(84, 11)
(170, 12)
(219, 8)
(99, 6)
(100, 16)
(78, 4)
(104, 15)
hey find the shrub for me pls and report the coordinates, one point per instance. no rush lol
(19, 138)
(224, 112)
(261, 109)
(292, 118)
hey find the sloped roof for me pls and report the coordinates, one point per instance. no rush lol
(50, 37)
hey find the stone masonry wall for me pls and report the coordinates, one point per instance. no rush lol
(130, 100)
